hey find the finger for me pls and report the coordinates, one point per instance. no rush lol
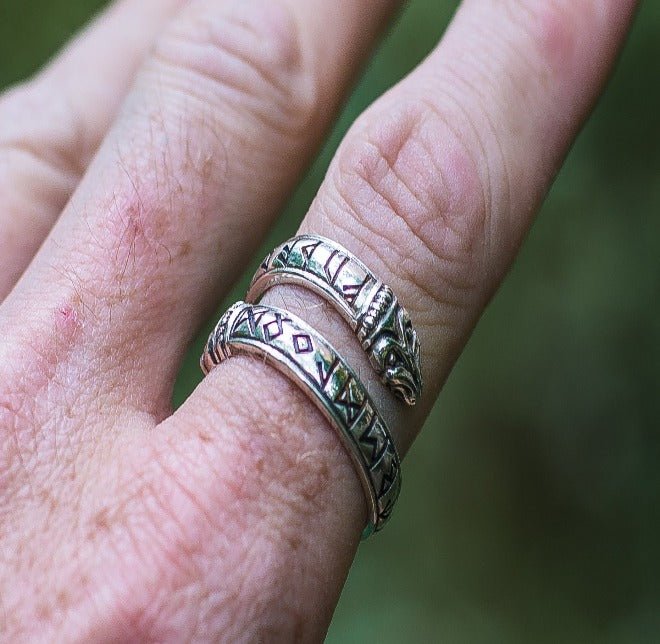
(52, 125)
(434, 189)
(224, 118)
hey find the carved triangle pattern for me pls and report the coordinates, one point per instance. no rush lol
(324, 376)
(253, 319)
(350, 400)
(351, 291)
(389, 477)
(327, 268)
(283, 255)
(308, 250)
(372, 440)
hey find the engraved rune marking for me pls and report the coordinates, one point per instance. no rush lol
(332, 276)
(389, 478)
(283, 255)
(324, 376)
(348, 398)
(387, 510)
(212, 351)
(264, 264)
(351, 291)
(275, 328)
(372, 438)
(252, 319)
(302, 344)
(307, 252)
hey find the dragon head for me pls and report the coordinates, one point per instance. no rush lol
(388, 334)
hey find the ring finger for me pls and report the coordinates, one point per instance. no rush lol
(434, 189)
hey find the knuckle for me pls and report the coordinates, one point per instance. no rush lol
(250, 56)
(133, 229)
(409, 183)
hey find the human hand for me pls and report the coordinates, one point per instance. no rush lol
(237, 517)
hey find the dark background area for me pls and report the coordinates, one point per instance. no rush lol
(531, 505)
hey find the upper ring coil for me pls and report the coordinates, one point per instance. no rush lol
(294, 348)
(381, 323)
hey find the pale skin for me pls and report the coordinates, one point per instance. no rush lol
(138, 172)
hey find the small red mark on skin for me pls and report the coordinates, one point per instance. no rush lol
(67, 321)
(67, 313)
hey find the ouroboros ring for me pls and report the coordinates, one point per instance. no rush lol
(294, 348)
(370, 307)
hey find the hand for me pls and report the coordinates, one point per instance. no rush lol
(237, 516)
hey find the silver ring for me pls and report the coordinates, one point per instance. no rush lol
(370, 307)
(294, 348)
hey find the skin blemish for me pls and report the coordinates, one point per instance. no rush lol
(99, 524)
(294, 543)
(44, 611)
(62, 599)
(67, 321)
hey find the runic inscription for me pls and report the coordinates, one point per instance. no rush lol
(253, 319)
(351, 291)
(327, 268)
(389, 476)
(385, 513)
(302, 343)
(264, 264)
(325, 375)
(373, 441)
(283, 255)
(350, 400)
(308, 250)
(275, 328)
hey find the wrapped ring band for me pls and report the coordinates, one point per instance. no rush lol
(382, 325)
(295, 349)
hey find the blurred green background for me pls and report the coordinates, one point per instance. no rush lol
(531, 505)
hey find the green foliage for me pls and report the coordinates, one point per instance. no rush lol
(531, 503)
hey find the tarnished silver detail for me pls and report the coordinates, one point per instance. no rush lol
(372, 310)
(294, 348)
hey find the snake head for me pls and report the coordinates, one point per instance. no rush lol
(394, 347)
